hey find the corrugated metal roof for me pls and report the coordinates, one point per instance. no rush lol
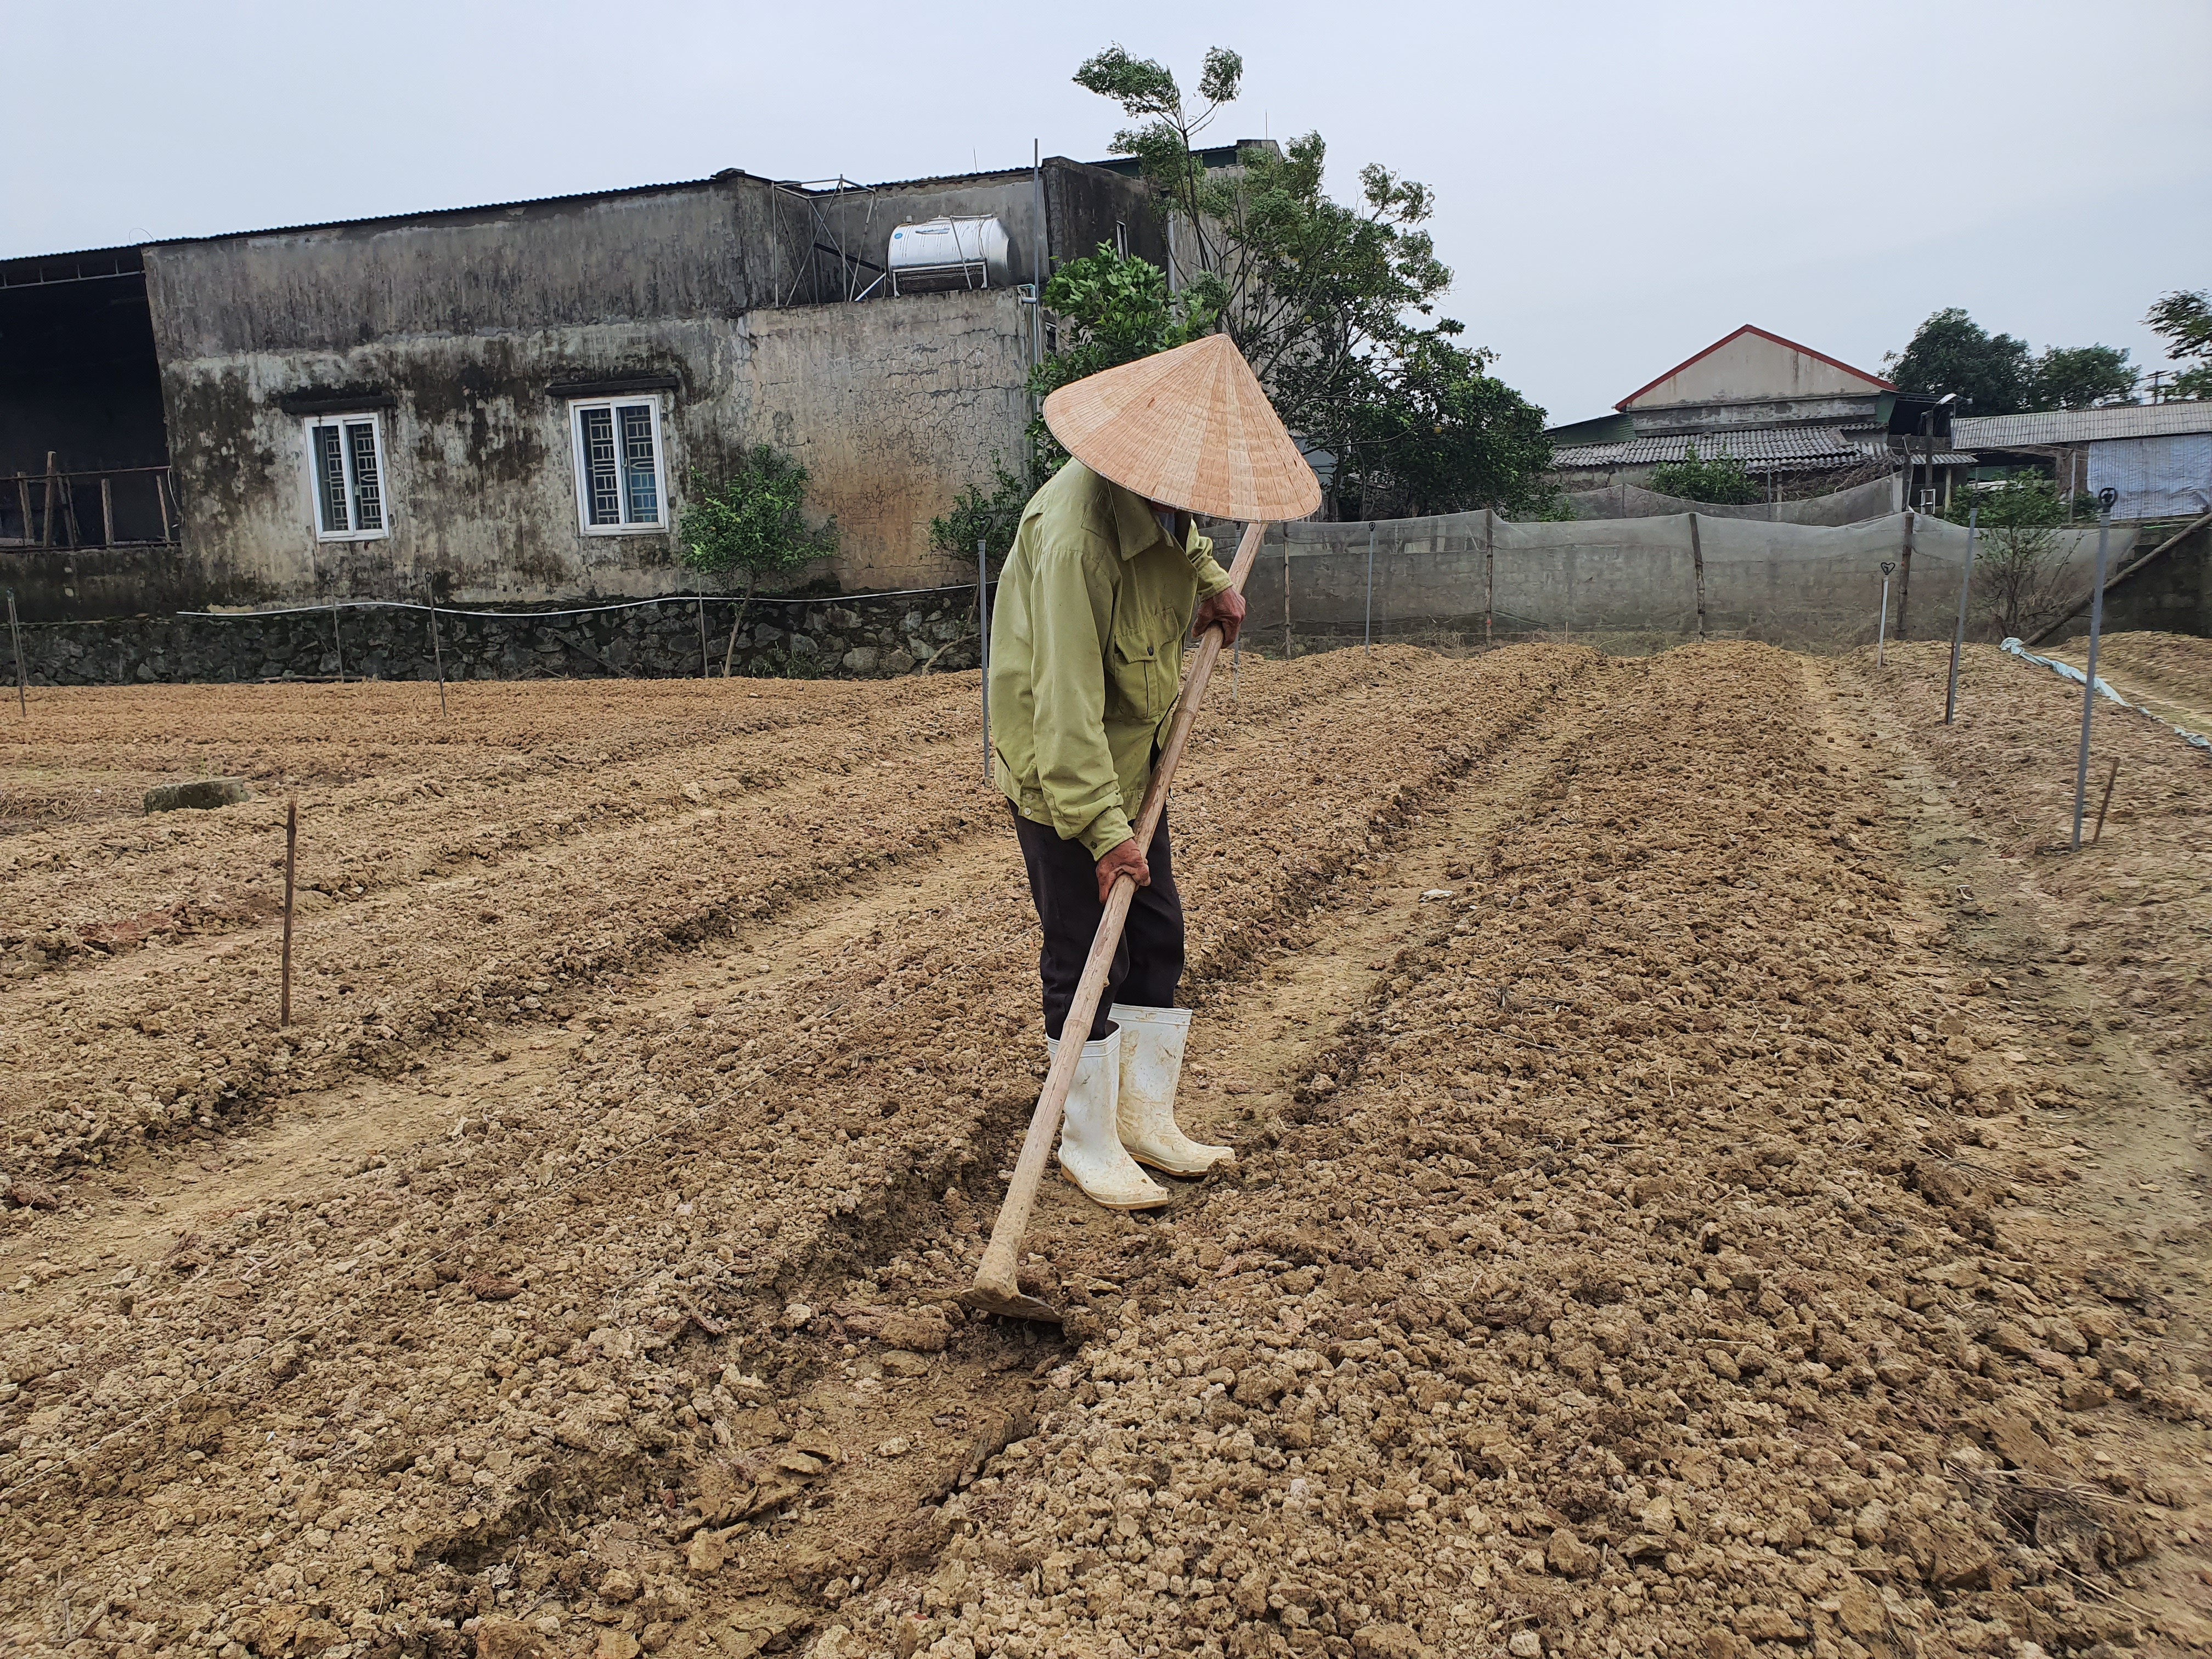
(2080, 426)
(1760, 448)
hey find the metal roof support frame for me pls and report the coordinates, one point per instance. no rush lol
(826, 239)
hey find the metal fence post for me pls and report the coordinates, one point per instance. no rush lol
(983, 636)
(1959, 636)
(1370, 643)
(1489, 573)
(1882, 617)
(2106, 497)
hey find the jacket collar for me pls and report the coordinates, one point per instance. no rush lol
(1135, 529)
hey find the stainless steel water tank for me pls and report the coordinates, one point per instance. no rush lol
(956, 252)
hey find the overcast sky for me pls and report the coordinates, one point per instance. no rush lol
(1617, 185)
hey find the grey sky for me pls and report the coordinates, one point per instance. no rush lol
(1618, 184)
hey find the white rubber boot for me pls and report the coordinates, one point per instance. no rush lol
(1151, 1064)
(1089, 1143)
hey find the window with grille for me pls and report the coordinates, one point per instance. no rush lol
(345, 470)
(619, 485)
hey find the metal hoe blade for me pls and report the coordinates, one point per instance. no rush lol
(1008, 1304)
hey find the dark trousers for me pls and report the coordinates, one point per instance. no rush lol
(1064, 883)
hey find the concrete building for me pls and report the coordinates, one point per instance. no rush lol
(1795, 417)
(509, 403)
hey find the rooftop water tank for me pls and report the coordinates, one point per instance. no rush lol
(938, 254)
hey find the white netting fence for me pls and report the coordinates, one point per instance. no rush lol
(1625, 585)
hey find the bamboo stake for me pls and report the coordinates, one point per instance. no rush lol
(15, 636)
(438, 653)
(2110, 777)
(1697, 568)
(291, 851)
(995, 1289)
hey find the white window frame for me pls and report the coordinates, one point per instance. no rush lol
(344, 419)
(616, 403)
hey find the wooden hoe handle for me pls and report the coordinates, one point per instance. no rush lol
(995, 1288)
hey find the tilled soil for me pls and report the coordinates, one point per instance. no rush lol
(1666, 1218)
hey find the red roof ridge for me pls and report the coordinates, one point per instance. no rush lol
(1763, 334)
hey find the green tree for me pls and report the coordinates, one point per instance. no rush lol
(1951, 352)
(1165, 139)
(2183, 320)
(2019, 582)
(1722, 482)
(989, 516)
(1112, 310)
(1325, 300)
(2081, 377)
(753, 522)
(1436, 433)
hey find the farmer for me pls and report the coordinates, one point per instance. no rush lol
(1107, 578)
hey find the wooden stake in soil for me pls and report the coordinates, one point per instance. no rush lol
(1489, 573)
(2106, 497)
(995, 1289)
(291, 851)
(438, 656)
(2109, 779)
(16, 637)
(1697, 566)
(1905, 575)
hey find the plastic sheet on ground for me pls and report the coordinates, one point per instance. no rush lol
(2080, 677)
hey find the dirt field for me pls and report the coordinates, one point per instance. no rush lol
(1709, 1183)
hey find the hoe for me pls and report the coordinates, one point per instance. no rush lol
(995, 1289)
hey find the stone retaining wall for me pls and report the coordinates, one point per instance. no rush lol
(856, 637)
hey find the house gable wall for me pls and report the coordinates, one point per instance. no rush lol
(1754, 368)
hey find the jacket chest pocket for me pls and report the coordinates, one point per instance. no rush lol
(1144, 665)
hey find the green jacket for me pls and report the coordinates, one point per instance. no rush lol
(1086, 652)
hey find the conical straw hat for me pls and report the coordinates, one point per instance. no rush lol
(1190, 428)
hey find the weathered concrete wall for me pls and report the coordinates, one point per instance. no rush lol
(459, 323)
(709, 249)
(867, 638)
(893, 407)
(1085, 204)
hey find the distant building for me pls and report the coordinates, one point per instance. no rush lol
(2157, 456)
(1791, 415)
(509, 401)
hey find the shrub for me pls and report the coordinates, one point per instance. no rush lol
(1722, 480)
